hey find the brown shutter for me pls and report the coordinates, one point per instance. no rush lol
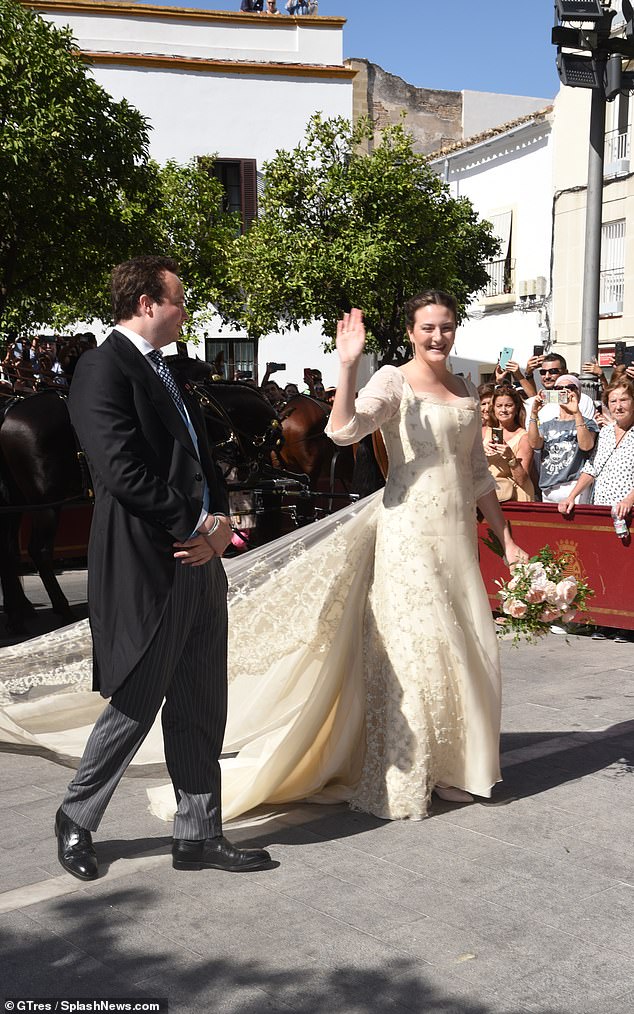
(249, 187)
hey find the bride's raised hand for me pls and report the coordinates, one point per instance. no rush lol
(350, 337)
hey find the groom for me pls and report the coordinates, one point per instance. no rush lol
(156, 584)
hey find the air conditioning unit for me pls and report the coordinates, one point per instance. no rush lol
(613, 309)
(527, 287)
(620, 167)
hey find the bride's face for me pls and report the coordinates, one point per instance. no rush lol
(433, 334)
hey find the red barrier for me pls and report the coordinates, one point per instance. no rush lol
(71, 540)
(596, 553)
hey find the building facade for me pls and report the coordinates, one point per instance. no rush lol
(616, 297)
(507, 175)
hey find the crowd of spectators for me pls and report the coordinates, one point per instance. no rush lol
(33, 364)
(556, 444)
(279, 397)
(293, 7)
(540, 442)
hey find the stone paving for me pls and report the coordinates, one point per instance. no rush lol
(523, 907)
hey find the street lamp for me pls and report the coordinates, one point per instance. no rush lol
(588, 57)
(579, 10)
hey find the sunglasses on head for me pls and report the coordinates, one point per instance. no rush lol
(555, 370)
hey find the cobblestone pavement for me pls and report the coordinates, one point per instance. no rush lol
(480, 909)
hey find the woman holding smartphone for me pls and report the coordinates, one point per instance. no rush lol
(509, 454)
(565, 442)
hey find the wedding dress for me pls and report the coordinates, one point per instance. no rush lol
(363, 657)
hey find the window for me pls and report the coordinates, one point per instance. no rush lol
(239, 178)
(617, 136)
(501, 271)
(612, 268)
(231, 357)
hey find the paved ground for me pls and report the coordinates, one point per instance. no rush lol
(483, 910)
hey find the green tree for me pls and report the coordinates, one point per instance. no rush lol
(342, 228)
(193, 228)
(77, 190)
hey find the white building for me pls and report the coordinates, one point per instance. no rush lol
(507, 174)
(215, 82)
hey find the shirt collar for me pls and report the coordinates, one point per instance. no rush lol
(139, 342)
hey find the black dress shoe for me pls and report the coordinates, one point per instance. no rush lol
(75, 848)
(217, 854)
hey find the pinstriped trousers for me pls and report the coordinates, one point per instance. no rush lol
(185, 670)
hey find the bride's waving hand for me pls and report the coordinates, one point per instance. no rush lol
(350, 337)
(350, 345)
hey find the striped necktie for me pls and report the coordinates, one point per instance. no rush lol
(166, 376)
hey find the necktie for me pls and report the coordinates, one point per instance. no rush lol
(165, 375)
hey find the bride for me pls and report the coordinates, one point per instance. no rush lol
(363, 657)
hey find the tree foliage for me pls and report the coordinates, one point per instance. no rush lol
(343, 228)
(193, 228)
(77, 191)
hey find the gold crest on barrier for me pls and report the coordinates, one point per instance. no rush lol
(574, 566)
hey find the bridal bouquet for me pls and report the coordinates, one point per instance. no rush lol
(539, 593)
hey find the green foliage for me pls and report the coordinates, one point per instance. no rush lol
(344, 228)
(193, 228)
(77, 192)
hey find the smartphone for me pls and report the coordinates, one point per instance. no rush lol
(538, 350)
(497, 435)
(619, 353)
(505, 357)
(555, 397)
(628, 355)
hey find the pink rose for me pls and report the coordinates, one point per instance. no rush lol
(515, 608)
(568, 615)
(535, 594)
(536, 571)
(566, 590)
(550, 589)
(550, 613)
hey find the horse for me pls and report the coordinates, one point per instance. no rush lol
(308, 450)
(40, 469)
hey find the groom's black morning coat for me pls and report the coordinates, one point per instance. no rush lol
(148, 482)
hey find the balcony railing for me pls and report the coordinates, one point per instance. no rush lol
(501, 277)
(617, 150)
(612, 286)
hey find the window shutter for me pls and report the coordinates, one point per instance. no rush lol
(249, 181)
(502, 229)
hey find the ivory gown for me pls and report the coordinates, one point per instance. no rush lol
(372, 624)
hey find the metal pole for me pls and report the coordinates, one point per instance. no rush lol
(594, 209)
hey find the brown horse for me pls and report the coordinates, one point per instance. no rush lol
(38, 467)
(308, 450)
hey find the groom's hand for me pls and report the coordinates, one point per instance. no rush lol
(195, 551)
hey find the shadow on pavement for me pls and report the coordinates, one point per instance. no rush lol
(125, 944)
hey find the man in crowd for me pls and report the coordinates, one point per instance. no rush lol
(552, 366)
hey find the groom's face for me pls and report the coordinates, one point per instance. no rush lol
(170, 314)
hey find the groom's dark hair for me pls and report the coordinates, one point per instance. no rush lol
(135, 278)
(427, 298)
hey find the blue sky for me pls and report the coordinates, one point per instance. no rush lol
(484, 45)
